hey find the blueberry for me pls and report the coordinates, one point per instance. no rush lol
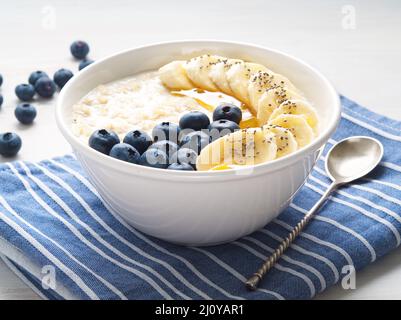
(186, 155)
(196, 141)
(140, 140)
(45, 87)
(62, 76)
(222, 127)
(154, 158)
(194, 120)
(166, 131)
(84, 63)
(125, 152)
(25, 92)
(1, 100)
(1, 80)
(35, 76)
(10, 144)
(168, 147)
(79, 49)
(180, 166)
(227, 111)
(25, 113)
(103, 140)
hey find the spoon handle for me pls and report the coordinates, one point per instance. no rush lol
(253, 281)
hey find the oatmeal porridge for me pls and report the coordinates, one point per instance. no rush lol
(257, 109)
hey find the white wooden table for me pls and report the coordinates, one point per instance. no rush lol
(361, 57)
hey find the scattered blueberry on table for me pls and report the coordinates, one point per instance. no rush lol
(84, 63)
(103, 140)
(79, 49)
(35, 76)
(227, 111)
(45, 87)
(138, 139)
(25, 113)
(125, 152)
(25, 92)
(180, 166)
(62, 76)
(194, 120)
(10, 144)
(40, 83)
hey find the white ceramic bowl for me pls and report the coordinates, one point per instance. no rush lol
(198, 208)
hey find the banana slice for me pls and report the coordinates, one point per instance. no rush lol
(198, 71)
(271, 99)
(174, 76)
(298, 107)
(259, 82)
(298, 126)
(238, 78)
(217, 74)
(262, 81)
(285, 140)
(244, 147)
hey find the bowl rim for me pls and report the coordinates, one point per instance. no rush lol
(236, 173)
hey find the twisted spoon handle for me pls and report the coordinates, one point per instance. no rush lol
(253, 282)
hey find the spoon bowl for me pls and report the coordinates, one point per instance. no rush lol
(352, 158)
(348, 160)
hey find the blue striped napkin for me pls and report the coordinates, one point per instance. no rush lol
(58, 236)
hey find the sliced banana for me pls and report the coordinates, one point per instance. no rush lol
(244, 147)
(298, 126)
(174, 76)
(198, 71)
(263, 81)
(258, 83)
(238, 78)
(285, 140)
(217, 74)
(298, 107)
(271, 99)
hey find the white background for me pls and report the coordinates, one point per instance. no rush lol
(363, 63)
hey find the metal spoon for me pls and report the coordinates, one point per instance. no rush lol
(348, 160)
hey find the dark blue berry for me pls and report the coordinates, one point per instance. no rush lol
(168, 147)
(154, 158)
(45, 87)
(194, 120)
(79, 49)
(62, 76)
(1, 80)
(186, 155)
(227, 111)
(140, 140)
(195, 140)
(10, 144)
(25, 113)
(166, 131)
(1, 100)
(103, 140)
(125, 152)
(35, 76)
(84, 63)
(180, 166)
(25, 92)
(221, 128)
